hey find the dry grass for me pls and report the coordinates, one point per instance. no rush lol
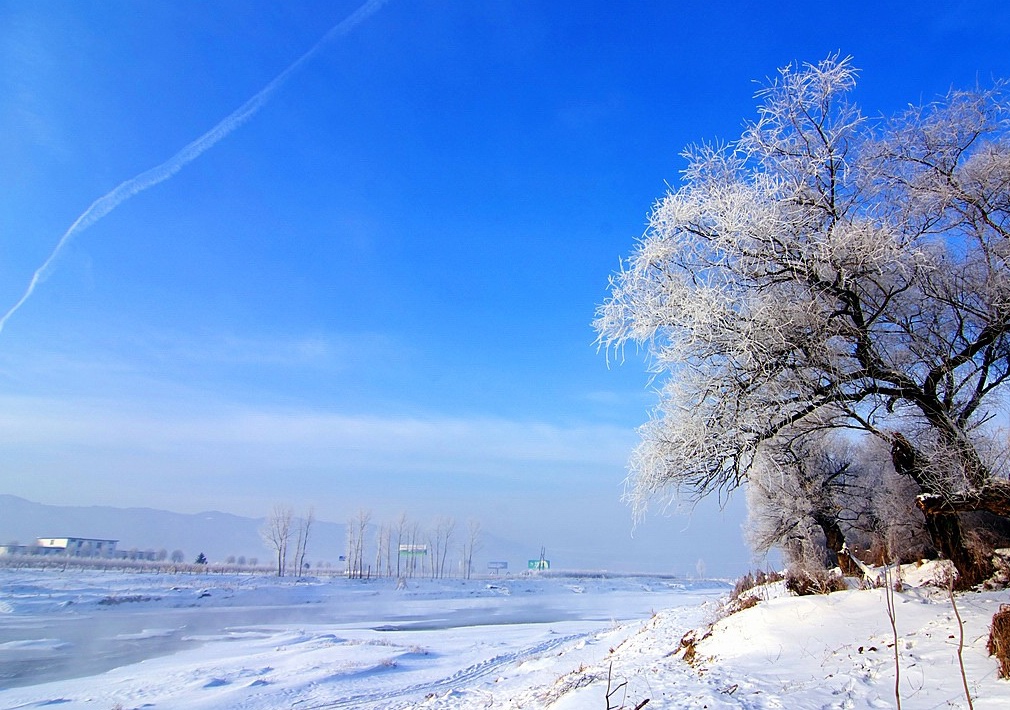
(689, 643)
(749, 581)
(747, 591)
(806, 582)
(999, 639)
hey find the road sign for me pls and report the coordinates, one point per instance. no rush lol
(497, 565)
(413, 550)
(540, 564)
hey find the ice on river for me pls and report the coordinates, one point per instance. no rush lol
(104, 640)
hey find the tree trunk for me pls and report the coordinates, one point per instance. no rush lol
(944, 529)
(940, 512)
(834, 540)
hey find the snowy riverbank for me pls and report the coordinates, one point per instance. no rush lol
(107, 640)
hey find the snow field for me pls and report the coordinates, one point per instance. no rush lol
(234, 642)
(551, 644)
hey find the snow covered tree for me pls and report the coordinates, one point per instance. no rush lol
(382, 548)
(414, 535)
(439, 539)
(356, 529)
(402, 530)
(799, 499)
(826, 270)
(276, 534)
(891, 527)
(303, 526)
(471, 545)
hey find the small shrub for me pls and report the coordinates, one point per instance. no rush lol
(806, 582)
(761, 578)
(746, 602)
(742, 585)
(750, 581)
(689, 643)
(133, 598)
(612, 693)
(999, 639)
(742, 597)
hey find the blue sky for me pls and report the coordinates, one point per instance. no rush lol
(377, 291)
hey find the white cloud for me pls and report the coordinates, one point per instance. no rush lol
(538, 482)
(330, 351)
(294, 438)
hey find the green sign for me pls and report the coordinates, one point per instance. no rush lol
(540, 564)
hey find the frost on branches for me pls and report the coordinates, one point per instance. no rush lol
(830, 271)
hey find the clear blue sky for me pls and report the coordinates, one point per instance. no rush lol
(376, 292)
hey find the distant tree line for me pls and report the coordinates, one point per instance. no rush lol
(280, 530)
(165, 566)
(402, 549)
(36, 556)
(406, 548)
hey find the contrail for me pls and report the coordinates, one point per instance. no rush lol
(149, 178)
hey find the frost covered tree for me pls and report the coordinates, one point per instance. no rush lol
(382, 548)
(276, 534)
(471, 545)
(801, 495)
(402, 531)
(303, 527)
(891, 526)
(357, 527)
(826, 270)
(414, 535)
(439, 539)
(810, 496)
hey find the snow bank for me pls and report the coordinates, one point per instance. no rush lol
(832, 651)
(555, 644)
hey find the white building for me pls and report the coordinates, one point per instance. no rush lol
(76, 546)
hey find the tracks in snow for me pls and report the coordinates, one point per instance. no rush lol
(463, 677)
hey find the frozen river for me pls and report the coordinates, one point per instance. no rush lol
(249, 641)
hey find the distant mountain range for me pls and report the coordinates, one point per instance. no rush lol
(217, 535)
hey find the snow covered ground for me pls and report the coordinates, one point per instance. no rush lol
(105, 640)
(111, 640)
